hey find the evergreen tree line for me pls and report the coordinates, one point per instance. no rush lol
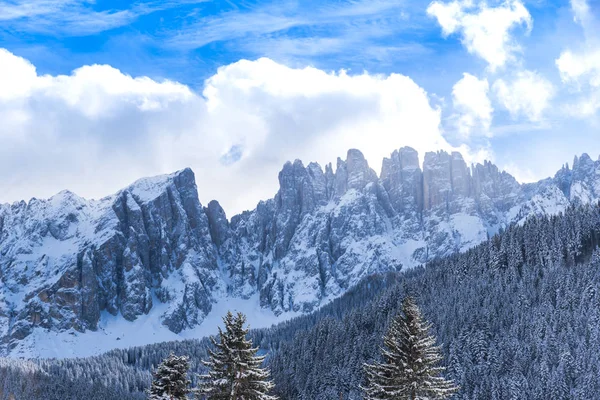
(235, 370)
(410, 369)
(518, 318)
(130, 370)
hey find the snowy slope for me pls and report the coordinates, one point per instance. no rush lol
(151, 259)
(115, 332)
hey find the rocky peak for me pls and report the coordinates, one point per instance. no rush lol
(494, 190)
(402, 178)
(582, 166)
(340, 185)
(296, 197)
(147, 189)
(575, 162)
(359, 172)
(74, 258)
(406, 158)
(297, 188)
(319, 183)
(437, 179)
(409, 158)
(563, 179)
(490, 183)
(581, 184)
(354, 173)
(217, 222)
(62, 198)
(461, 176)
(64, 261)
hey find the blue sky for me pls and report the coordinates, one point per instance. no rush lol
(516, 82)
(188, 40)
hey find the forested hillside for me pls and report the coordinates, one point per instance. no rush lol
(518, 317)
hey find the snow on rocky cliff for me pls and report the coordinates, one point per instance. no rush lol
(152, 256)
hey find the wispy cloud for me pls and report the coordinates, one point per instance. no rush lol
(231, 25)
(74, 17)
(290, 31)
(271, 18)
(287, 30)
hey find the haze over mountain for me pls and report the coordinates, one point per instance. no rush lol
(152, 256)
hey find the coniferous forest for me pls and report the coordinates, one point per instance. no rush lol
(517, 317)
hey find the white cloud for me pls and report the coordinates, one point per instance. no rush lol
(270, 18)
(580, 10)
(523, 175)
(584, 107)
(97, 129)
(336, 28)
(76, 17)
(527, 95)
(473, 109)
(24, 9)
(580, 67)
(485, 31)
(582, 14)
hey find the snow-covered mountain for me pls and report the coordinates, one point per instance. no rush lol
(153, 252)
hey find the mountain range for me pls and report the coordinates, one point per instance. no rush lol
(153, 251)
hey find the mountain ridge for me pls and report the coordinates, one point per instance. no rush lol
(66, 260)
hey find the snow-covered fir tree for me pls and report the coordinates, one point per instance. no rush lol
(170, 380)
(411, 368)
(235, 371)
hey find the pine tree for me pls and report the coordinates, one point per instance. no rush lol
(170, 379)
(235, 371)
(410, 369)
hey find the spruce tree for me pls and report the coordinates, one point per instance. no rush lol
(411, 368)
(170, 380)
(235, 371)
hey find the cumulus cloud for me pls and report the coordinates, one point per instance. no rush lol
(485, 31)
(473, 108)
(580, 67)
(97, 129)
(528, 95)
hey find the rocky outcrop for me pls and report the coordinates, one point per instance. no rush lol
(64, 261)
(446, 179)
(402, 178)
(583, 184)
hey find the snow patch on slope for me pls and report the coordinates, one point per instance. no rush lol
(148, 189)
(116, 332)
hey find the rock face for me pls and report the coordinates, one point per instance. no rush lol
(65, 261)
(402, 178)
